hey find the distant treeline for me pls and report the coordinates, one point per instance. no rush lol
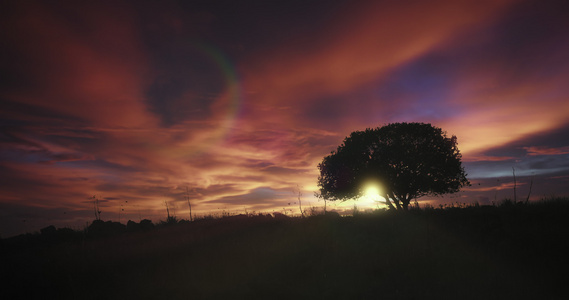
(102, 229)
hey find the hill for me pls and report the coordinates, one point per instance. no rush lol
(476, 252)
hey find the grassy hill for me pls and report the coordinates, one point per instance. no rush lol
(509, 251)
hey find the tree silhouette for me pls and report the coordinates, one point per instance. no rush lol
(408, 160)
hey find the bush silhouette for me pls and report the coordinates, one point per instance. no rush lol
(101, 228)
(409, 160)
(144, 225)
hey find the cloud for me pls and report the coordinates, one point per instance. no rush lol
(534, 151)
(499, 186)
(509, 83)
(89, 68)
(262, 195)
(488, 158)
(539, 140)
(363, 44)
(65, 157)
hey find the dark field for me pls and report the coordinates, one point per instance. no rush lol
(510, 251)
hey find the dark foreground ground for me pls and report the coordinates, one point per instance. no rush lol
(512, 251)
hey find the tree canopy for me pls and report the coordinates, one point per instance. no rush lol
(409, 160)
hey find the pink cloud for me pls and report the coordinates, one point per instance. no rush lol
(90, 68)
(500, 187)
(474, 158)
(364, 43)
(537, 150)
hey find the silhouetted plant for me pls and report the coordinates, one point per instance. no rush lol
(298, 193)
(187, 196)
(171, 220)
(355, 211)
(96, 207)
(410, 160)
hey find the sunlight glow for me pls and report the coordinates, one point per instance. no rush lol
(372, 195)
(372, 190)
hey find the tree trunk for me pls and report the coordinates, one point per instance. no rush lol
(389, 202)
(397, 204)
(396, 201)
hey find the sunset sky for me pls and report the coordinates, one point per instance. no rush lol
(238, 101)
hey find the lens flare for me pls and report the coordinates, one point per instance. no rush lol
(226, 107)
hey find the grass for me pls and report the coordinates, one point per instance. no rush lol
(509, 250)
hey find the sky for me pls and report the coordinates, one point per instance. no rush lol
(232, 104)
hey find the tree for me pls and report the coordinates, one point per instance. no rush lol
(409, 160)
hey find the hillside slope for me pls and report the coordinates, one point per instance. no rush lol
(459, 253)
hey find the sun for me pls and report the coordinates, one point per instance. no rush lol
(371, 195)
(371, 190)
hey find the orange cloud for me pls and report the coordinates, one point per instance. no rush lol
(498, 116)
